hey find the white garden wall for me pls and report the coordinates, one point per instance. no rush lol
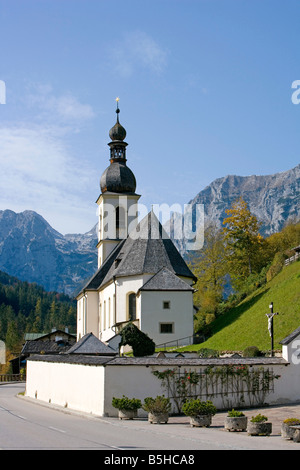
(75, 386)
(90, 388)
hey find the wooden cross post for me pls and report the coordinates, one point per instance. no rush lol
(270, 326)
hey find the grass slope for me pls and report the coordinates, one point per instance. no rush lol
(247, 324)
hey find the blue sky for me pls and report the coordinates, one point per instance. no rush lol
(204, 86)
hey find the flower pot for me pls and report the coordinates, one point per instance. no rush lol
(237, 423)
(127, 414)
(289, 431)
(259, 429)
(158, 418)
(200, 421)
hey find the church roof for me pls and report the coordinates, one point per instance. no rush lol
(166, 280)
(118, 178)
(290, 337)
(89, 344)
(147, 249)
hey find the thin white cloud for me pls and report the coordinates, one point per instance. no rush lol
(138, 49)
(65, 107)
(40, 170)
(38, 173)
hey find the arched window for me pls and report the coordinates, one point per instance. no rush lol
(132, 307)
(117, 217)
(104, 315)
(114, 309)
(100, 318)
(120, 221)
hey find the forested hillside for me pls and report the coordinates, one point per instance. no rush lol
(235, 261)
(26, 307)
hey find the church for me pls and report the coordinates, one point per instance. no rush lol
(141, 276)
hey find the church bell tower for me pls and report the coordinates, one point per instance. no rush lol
(118, 201)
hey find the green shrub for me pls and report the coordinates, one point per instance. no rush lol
(252, 351)
(160, 404)
(276, 266)
(258, 419)
(140, 342)
(208, 353)
(292, 421)
(126, 403)
(235, 414)
(197, 407)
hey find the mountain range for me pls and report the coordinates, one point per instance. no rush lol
(273, 199)
(32, 250)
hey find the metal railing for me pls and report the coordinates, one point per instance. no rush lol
(186, 341)
(12, 377)
(292, 258)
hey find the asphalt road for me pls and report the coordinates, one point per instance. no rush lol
(27, 425)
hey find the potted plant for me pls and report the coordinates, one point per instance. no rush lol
(258, 426)
(158, 409)
(288, 427)
(236, 421)
(127, 407)
(200, 412)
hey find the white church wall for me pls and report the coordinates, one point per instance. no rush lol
(75, 386)
(119, 291)
(107, 220)
(80, 316)
(129, 214)
(292, 351)
(179, 315)
(87, 314)
(92, 324)
(188, 280)
(107, 315)
(126, 286)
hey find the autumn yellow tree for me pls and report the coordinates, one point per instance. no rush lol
(243, 242)
(209, 268)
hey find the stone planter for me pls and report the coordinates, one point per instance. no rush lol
(158, 418)
(259, 429)
(200, 421)
(290, 432)
(238, 423)
(127, 414)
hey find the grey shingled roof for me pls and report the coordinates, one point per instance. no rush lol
(166, 280)
(118, 178)
(102, 273)
(43, 347)
(89, 344)
(147, 249)
(157, 361)
(72, 359)
(183, 361)
(291, 337)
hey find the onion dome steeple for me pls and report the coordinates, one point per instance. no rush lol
(118, 178)
(117, 135)
(117, 132)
